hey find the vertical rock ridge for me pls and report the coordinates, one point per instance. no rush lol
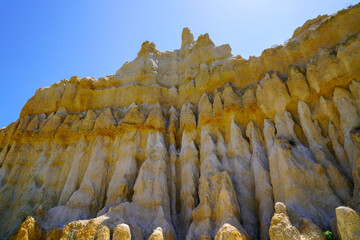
(243, 180)
(318, 146)
(195, 144)
(121, 184)
(218, 203)
(173, 155)
(188, 181)
(263, 187)
(349, 120)
(78, 165)
(294, 172)
(88, 198)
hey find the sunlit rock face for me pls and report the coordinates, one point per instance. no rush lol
(195, 144)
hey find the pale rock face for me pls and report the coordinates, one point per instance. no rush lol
(186, 37)
(281, 227)
(348, 223)
(262, 181)
(189, 178)
(349, 120)
(292, 166)
(217, 197)
(318, 146)
(355, 168)
(284, 127)
(228, 232)
(218, 105)
(151, 183)
(310, 231)
(105, 120)
(339, 150)
(240, 155)
(157, 234)
(297, 84)
(195, 144)
(134, 116)
(76, 172)
(122, 232)
(272, 96)
(123, 179)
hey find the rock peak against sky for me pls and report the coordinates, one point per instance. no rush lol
(195, 143)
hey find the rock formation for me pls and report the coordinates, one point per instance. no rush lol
(282, 229)
(348, 223)
(195, 144)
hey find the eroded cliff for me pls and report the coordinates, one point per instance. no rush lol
(194, 144)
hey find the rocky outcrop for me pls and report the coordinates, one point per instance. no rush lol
(122, 232)
(28, 230)
(217, 204)
(229, 232)
(348, 223)
(282, 229)
(195, 144)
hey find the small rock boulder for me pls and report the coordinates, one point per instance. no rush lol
(348, 223)
(28, 230)
(122, 232)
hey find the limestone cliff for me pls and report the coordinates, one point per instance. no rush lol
(194, 144)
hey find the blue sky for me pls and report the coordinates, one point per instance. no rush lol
(43, 42)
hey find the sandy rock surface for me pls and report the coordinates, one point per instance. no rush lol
(194, 143)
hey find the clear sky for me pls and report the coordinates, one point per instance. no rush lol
(43, 42)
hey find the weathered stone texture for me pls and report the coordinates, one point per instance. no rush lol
(195, 144)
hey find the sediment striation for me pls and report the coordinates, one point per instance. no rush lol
(195, 144)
